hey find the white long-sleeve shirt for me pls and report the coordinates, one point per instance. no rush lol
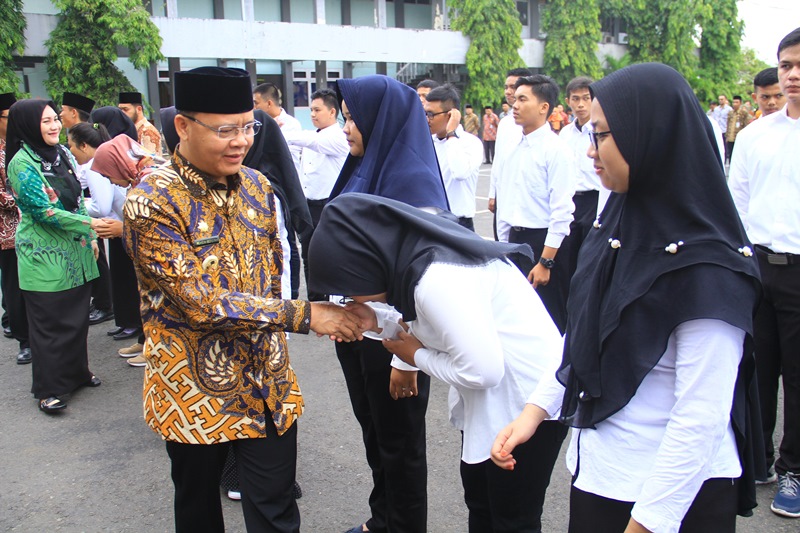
(508, 133)
(106, 199)
(764, 180)
(536, 185)
(493, 346)
(323, 155)
(460, 161)
(289, 124)
(673, 435)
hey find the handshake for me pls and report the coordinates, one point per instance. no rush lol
(339, 323)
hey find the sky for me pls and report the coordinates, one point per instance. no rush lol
(766, 23)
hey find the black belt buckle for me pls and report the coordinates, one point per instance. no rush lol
(778, 259)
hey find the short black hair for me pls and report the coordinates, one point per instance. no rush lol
(269, 91)
(328, 97)
(430, 84)
(84, 116)
(791, 39)
(765, 78)
(468, 106)
(488, 107)
(737, 97)
(518, 72)
(447, 94)
(581, 82)
(543, 87)
(713, 102)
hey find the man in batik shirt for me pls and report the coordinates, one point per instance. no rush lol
(203, 232)
(149, 136)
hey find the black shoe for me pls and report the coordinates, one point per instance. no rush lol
(24, 356)
(94, 382)
(98, 315)
(120, 330)
(52, 405)
(7, 333)
(127, 333)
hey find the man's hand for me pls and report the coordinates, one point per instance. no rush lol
(455, 119)
(539, 275)
(403, 383)
(404, 347)
(516, 433)
(107, 228)
(335, 321)
(492, 205)
(366, 315)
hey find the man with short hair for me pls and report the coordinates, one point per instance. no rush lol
(75, 108)
(268, 98)
(767, 92)
(472, 123)
(765, 185)
(14, 303)
(459, 154)
(505, 109)
(322, 158)
(721, 116)
(149, 136)
(738, 118)
(490, 123)
(712, 107)
(204, 238)
(424, 87)
(508, 135)
(535, 190)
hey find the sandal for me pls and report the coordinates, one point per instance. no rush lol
(51, 405)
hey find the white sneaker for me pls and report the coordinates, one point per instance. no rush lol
(131, 351)
(234, 495)
(139, 360)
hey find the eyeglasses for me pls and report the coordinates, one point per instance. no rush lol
(3, 116)
(431, 114)
(594, 136)
(228, 133)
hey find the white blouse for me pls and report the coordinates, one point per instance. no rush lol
(107, 199)
(488, 335)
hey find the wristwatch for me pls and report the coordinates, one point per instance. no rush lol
(451, 134)
(547, 263)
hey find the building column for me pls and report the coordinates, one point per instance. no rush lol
(288, 87)
(380, 13)
(173, 65)
(347, 14)
(399, 14)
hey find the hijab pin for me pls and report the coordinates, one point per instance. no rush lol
(597, 224)
(673, 248)
(615, 243)
(746, 251)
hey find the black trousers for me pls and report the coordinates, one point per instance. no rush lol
(394, 438)
(777, 347)
(101, 286)
(315, 207)
(467, 222)
(124, 287)
(554, 294)
(585, 215)
(266, 469)
(713, 510)
(488, 151)
(15, 303)
(729, 149)
(503, 501)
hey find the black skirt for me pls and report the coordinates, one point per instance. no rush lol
(58, 324)
(124, 287)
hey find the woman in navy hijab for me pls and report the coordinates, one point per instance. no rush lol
(391, 155)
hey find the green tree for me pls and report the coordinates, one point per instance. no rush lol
(573, 31)
(83, 47)
(720, 52)
(495, 31)
(12, 40)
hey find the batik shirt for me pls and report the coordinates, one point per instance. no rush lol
(149, 137)
(9, 214)
(209, 265)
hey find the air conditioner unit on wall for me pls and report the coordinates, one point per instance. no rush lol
(622, 38)
(608, 38)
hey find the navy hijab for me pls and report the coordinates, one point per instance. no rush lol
(116, 122)
(366, 245)
(399, 160)
(681, 252)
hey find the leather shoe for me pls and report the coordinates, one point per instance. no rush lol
(24, 356)
(52, 405)
(7, 332)
(98, 315)
(94, 382)
(127, 333)
(115, 331)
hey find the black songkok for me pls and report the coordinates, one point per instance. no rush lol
(6, 101)
(130, 98)
(225, 91)
(78, 101)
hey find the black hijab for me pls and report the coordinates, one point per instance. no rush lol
(270, 155)
(366, 244)
(626, 300)
(25, 126)
(116, 122)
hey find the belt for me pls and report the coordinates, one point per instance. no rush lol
(586, 193)
(774, 258)
(520, 228)
(322, 201)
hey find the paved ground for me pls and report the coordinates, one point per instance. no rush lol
(97, 467)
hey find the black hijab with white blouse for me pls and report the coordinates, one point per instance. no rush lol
(366, 245)
(670, 250)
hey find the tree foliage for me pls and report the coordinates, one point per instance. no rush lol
(495, 31)
(12, 40)
(720, 53)
(83, 47)
(573, 31)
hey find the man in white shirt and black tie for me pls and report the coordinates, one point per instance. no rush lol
(534, 192)
(460, 155)
(765, 184)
